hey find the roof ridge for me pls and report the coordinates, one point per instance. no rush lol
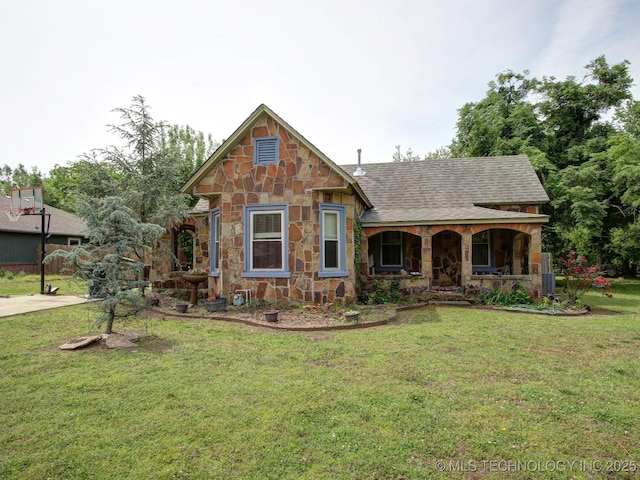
(425, 160)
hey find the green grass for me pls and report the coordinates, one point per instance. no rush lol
(24, 284)
(204, 399)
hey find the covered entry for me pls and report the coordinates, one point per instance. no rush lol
(447, 259)
(182, 243)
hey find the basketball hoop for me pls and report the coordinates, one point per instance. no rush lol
(25, 201)
(29, 201)
(14, 214)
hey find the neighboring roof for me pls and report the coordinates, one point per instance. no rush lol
(450, 190)
(245, 128)
(62, 223)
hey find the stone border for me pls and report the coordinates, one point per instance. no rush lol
(354, 326)
(242, 321)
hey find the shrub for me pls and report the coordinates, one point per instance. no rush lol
(6, 274)
(580, 277)
(383, 291)
(504, 298)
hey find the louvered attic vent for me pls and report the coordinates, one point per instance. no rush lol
(266, 150)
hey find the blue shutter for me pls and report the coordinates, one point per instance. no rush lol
(266, 150)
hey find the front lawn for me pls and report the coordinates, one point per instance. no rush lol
(25, 284)
(471, 388)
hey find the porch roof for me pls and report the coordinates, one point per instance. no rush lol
(451, 189)
(437, 216)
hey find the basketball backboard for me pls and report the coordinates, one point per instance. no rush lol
(28, 200)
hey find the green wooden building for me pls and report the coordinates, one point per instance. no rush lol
(20, 240)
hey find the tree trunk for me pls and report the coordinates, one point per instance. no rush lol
(112, 316)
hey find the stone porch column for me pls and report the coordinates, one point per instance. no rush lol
(427, 255)
(467, 260)
(362, 268)
(535, 258)
(517, 255)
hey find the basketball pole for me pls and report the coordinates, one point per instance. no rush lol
(30, 201)
(43, 252)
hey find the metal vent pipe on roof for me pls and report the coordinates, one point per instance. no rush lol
(359, 171)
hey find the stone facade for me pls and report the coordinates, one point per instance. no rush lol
(301, 181)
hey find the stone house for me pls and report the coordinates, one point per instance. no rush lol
(280, 219)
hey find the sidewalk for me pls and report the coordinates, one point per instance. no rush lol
(18, 304)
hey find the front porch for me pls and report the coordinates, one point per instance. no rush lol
(457, 257)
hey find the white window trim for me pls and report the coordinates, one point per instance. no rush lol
(488, 246)
(341, 270)
(249, 212)
(382, 245)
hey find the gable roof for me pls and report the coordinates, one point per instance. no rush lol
(62, 223)
(451, 190)
(245, 128)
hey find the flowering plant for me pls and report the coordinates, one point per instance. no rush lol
(198, 271)
(580, 277)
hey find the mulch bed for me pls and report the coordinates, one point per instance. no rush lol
(304, 318)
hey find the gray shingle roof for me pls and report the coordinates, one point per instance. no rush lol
(62, 223)
(450, 189)
(201, 207)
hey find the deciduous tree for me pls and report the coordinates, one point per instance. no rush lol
(19, 177)
(585, 160)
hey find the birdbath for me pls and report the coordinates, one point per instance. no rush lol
(194, 279)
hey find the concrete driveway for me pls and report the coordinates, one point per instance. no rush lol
(18, 304)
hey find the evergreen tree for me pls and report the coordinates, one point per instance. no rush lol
(112, 258)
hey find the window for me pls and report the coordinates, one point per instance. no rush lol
(214, 259)
(480, 249)
(330, 242)
(391, 249)
(333, 259)
(266, 248)
(74, 241)
(266, 150)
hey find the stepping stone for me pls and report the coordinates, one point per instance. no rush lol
(79, 342)
(115, 340)
(132, 336)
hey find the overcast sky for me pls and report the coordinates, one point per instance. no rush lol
(346, 74)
